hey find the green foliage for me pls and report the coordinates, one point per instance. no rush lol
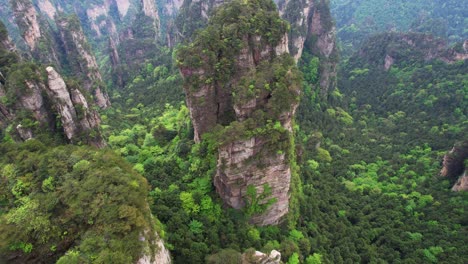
(356, 20)
(65, 194)
(314, 259)
(225, 256)
(257, 203)
(294, 259)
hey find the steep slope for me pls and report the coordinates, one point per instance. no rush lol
(32, 104)
(81, 205)
(36, 32)
(313, 31)
(66, 48)
(239, 76)
(454, 166)
(80, 58)
(126, 32)
(312, 28)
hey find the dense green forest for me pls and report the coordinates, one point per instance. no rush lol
(368, 157)
(358, 19)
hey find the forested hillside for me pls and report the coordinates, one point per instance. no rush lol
(358, 19)
(218, 146)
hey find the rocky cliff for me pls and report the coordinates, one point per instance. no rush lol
(240, 79)
(81, 59)
(130, 29)
(257, 257)
(312, 29)
(78, 120)
(64, 48)
(454, 166)
(32, 104)
(36, 33)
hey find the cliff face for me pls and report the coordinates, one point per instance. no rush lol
(312, 29)
(36, 33)
(45, 45)
(454, 166)
(76, 116)
(33, 104)
(128, 29)
(239, 76)
(81, 59)
(257, 257)
(311, 23)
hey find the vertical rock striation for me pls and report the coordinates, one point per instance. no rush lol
(151, 10)
(77, 118)
(45, 46)
(36, 33)
(81, 59)
(312, 28)
(32, 104)
(240, 79)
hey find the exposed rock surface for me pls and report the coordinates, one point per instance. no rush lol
(453, 166)
(34, 104)
(47, 8)
(35, 33)
(257, 257)
(241, 97)
(162, 256)
(81, 59)
(312, 28)
(27, 17)
(151, 10)
(461, 184)
(76, 116)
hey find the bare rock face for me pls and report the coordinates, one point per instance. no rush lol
(257, 257)
(33, 101)
(453, 166)
(34, 31)
(151, 10)
(81, 58)
(30, 22)
(47, 8)
(162, 256)
(76, 116)
(312, 28)
(252, 92)
(33, 104)
(462, 183)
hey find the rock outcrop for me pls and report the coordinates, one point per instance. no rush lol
(312, 28)
(239, 76)
(161, 254)
(32, 104)
(151, 10)
(257, 257)
(77, 117)
(454, 166)
(81, 59)
(35, 32)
